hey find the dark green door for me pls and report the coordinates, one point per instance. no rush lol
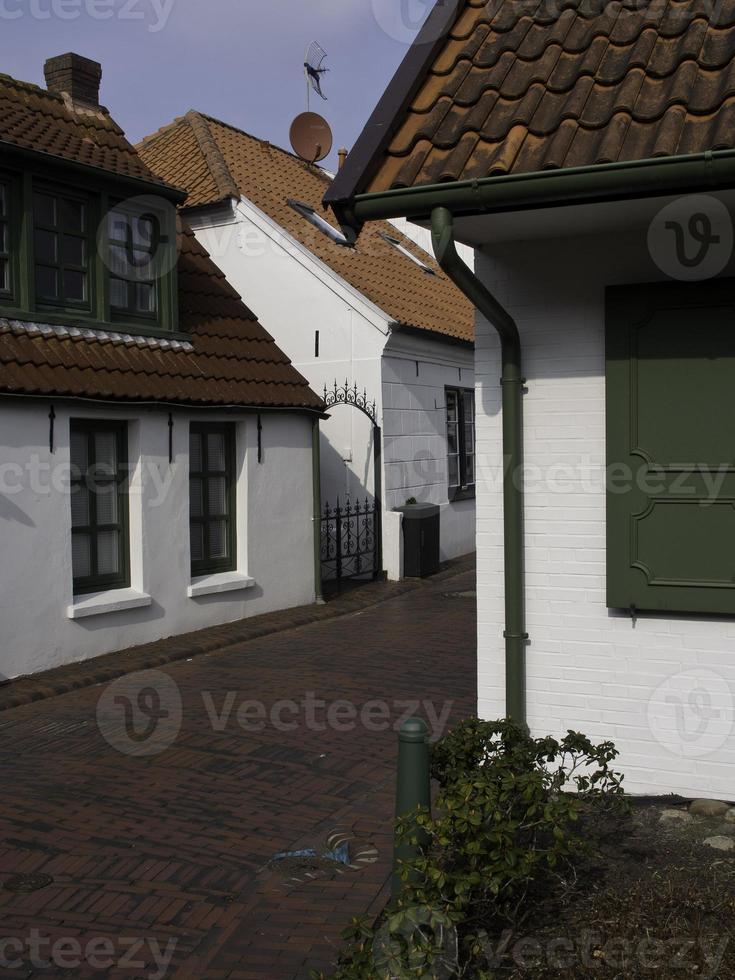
(671, 447)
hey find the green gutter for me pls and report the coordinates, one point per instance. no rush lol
(442, 233)
(696, 172)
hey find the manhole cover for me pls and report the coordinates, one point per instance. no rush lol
(469, 594)
(27, 883)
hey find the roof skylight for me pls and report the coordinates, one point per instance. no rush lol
(404, 251)
(321, 223)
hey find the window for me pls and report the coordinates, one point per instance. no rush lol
(409, 255)
(5, 270)
(99, 506)
(134, 240)
(461, 442)
(61, 249)
(212, 498)
(671, 447)
(321, 223)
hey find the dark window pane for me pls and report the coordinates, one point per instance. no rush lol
(46, 246)
(117, 226)
(216, 452)
(197, 542)
(108, 557)
(146, 296)
(3, 200)
(73, 215)
(195, 497)
(75, 285)
(44, 208)
(218, 539)
(79, 506)
(144, 230)
(4, 274)
(81, 556)
(74, 251)
(79, 452)
(105, 449)
(47, 282)
(106, 499)
(118, 294)
(3, 236)
(470, 469)
(195, 451)
(453, 471)
(217, 496)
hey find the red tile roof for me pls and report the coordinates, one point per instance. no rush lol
(230, 359)
(518, 87)
(215, 161)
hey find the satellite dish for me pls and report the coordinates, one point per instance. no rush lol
(311, 137)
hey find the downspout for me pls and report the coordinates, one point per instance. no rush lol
(317, 497)
(442, 233)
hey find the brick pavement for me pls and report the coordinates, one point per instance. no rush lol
(173, 847)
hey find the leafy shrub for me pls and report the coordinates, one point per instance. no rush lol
(506, 815)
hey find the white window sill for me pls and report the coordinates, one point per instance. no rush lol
(221, 582)
(117, 600)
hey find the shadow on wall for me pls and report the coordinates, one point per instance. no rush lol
(340, 477)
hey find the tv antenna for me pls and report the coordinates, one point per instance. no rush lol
(314, 69)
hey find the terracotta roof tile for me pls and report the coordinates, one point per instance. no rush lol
(35, 119)
(228, 359)
(518, 87)
(214, 161)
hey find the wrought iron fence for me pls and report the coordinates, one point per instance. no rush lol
(350, 540)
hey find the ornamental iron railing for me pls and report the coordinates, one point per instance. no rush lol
(350, 540)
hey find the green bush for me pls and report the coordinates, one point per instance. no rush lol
(505, 816)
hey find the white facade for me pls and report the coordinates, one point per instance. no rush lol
(297, 294)
(589, 668)
(44, 625)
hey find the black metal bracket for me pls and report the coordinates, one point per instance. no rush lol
(633, 615)
(170, 438)
(260, 439)
(51, 420)
(515, 636)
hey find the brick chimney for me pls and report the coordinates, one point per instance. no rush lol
(74, 75)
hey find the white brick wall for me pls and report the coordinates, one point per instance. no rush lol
(588, 668)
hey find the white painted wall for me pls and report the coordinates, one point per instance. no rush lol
(275, 532)
(415, 374)
(588, 668)
(422, 237)
(294, 294)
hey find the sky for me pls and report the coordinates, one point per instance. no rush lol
(238, 60)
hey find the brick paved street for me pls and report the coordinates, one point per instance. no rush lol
(159, 860)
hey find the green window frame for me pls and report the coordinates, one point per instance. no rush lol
(460, 409)
(62, 273)
(6, 256)
(99, 505)
(134, 239)
(212, 498)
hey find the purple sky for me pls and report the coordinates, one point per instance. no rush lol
(239, 60)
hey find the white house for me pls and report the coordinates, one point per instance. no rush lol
(589, 156)
(376, 320)
(155, 444)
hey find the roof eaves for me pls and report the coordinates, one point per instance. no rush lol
(366, 155)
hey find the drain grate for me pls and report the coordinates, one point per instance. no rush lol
(27, 883)
(469, 594)
(334, 858)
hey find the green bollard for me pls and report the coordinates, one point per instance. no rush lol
(413, 785)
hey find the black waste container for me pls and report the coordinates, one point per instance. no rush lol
(420, 539)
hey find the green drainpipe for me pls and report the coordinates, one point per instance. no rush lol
(442, 233)
(317, 493)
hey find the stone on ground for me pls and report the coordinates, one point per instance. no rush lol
(720, 843)
(709, 808)
(675, 816)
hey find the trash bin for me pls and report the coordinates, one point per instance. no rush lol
(420, 539)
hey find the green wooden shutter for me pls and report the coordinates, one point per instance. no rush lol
(671, 447)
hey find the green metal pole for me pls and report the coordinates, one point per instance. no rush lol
(317, 494)
(413, 787)
(442, 230)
